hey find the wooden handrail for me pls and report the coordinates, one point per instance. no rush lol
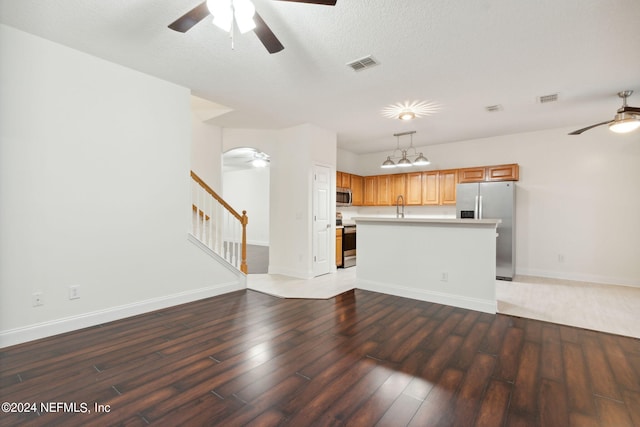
(213, 194)
(244, 220)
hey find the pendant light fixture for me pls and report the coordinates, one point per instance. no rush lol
(403, 160)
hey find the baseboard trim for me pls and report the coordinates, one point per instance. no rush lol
(577, 277)
(72, 323)
(290, 272)
(476, 304)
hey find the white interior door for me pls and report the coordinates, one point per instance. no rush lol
(322, 224)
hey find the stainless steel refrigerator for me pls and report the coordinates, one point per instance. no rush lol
(493, 200)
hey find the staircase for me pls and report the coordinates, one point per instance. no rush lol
(217, 225)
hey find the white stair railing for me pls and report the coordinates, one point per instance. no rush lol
(218, 225)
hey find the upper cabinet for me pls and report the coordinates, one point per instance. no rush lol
(420, 188)
(448, 182)
(370, 189)
(357, 190)
(489, 173)
(413, 188)
(503, 173)
(343, 180)
(472, 175)
(383, 191)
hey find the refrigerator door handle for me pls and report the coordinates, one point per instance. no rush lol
(475, 209)
(480, 208)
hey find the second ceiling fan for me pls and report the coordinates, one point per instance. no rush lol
(225, 12)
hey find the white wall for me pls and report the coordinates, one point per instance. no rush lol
(577, 200)
(249, 190)
(94, 189)
(294, 152)
(206, 152)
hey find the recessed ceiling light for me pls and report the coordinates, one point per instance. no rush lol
(409, 110)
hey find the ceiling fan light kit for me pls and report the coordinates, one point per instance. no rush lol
(626, 120)
(624, 123)
(403, 160)
(243, 12)
(225, 11)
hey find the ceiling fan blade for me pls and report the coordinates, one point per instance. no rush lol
(325, 2)
(191, 18)
(266, 36)
(579, 131)
(628, 109)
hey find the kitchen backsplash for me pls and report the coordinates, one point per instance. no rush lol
(390, 211)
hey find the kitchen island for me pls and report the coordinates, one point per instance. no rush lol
(447, 261)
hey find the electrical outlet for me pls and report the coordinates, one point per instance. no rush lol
(37, 299)
(444, 277)
(74, 292)
(560, 258)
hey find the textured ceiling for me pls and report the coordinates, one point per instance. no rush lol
(462, 54)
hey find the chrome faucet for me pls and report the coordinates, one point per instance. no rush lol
(400, 213)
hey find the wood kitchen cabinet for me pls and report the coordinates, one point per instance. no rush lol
(509, 172)
(448, 182)
(343, 180)
(431, 188)
(383, 190)
(370, 187)
(398, 187)
(503, 173)
(339, 247)
(472, 175)
(424, 188)
(357, 190)
(413, 192)
(439, 187)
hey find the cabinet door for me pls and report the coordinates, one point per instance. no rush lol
(413, 194)
(370, 187)
(339, 247)
(448, 181)
(430, 188)
(383, 192)
(345, 182)
(503, 173)
(357, 190)
(472, 175)
(398, 188)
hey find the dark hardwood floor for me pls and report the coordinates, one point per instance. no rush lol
(361, 359)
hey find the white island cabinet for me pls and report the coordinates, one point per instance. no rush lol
(446, 261)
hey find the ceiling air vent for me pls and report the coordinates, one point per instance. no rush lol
(493, 108)
(548, 98)
(363, 63)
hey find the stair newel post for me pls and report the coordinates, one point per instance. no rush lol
(243, 263)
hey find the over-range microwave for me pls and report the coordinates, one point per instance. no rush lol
(343, 196)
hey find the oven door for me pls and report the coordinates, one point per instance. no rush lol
(349, 246)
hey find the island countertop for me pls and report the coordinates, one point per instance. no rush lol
(419, 220)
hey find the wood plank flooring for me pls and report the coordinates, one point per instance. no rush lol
(360, 359)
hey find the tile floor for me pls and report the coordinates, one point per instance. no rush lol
(606, 308)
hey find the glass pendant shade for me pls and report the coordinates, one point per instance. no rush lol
(404, 162)
(224, 11)
(244, 11)
(388, 163)
(624, 123)
(421, 160)
(407, 115)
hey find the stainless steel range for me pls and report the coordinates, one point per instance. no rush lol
(349, 246)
